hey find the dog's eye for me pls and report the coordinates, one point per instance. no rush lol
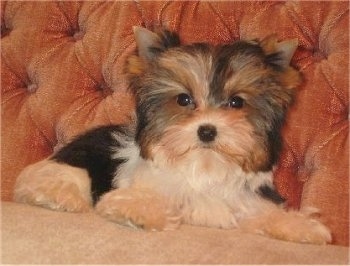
(235, 102)
(184, 99)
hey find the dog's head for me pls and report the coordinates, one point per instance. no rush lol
(227, 101)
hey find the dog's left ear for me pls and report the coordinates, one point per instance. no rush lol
(150, 44)
(279, 53)
(279, 56)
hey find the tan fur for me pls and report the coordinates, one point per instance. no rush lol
(290, 78)
(54, 186)
(290, 225)
(138, 207)
(269, 44)
(135, 65)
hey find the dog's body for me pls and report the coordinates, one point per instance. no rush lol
(202, 148)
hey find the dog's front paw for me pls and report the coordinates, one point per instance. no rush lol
(302, 229)
(298, 227)
(290, 226)
(138, 208)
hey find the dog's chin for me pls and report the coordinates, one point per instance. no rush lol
(202, 166)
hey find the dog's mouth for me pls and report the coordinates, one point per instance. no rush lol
(205, 146)
(213, 147)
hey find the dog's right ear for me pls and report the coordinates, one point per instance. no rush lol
(150, 44)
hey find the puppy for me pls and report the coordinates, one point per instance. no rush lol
(201, 150)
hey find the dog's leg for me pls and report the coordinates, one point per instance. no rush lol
(55, 186)
(290, 225)
(141, 208)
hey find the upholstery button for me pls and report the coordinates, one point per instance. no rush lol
(103, 88)
(318, 55)
(78, 35)
(4, 30)
(32, 87)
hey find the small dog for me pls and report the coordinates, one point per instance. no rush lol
(201, 150)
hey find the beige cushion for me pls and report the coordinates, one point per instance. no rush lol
(32, 235)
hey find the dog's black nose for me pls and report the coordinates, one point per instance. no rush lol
(207, 133)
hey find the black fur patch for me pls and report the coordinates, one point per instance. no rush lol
(93, 151)
(271, 194)
(168, 40)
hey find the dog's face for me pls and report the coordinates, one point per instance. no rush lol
(227, 101)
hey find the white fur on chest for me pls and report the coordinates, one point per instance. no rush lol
(202, 186)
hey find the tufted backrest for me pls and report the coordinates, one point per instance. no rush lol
(62, 73)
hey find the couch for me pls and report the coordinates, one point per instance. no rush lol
(62, 73)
